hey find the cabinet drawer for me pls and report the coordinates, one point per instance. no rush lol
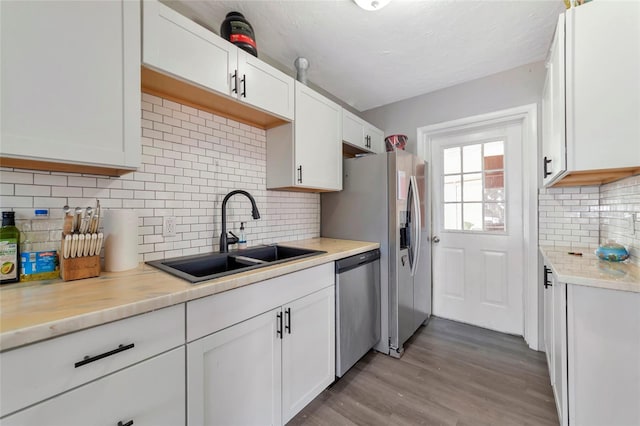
(35, 372)
(213, 313)
(151, 393)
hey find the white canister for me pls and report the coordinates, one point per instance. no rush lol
(121, 240)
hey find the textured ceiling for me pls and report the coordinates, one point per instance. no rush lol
(369, 59)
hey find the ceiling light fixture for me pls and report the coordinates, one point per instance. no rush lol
(372, 4)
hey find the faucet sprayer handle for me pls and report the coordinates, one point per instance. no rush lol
(233, 239)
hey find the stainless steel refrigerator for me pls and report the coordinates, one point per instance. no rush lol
(385, 199)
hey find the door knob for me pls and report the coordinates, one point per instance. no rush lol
(435, 239)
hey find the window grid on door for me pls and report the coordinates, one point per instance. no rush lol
(474, 198)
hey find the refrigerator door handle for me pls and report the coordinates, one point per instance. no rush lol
(416, 219)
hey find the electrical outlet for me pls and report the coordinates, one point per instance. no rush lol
(169, 226)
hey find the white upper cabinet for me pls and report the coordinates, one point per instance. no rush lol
(261, 85)
(376, 139)
(360, 134)
(553, 108)
(70, 84)
(307, 154)
(591, 134)
(175, 45)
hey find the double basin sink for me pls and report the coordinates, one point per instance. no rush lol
(203, 267)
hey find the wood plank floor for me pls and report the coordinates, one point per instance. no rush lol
(450, 374)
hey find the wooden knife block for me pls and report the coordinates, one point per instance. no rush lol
(77, 268)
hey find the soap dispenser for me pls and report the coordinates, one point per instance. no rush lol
(242, 241)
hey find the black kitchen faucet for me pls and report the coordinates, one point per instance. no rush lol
(225, 241)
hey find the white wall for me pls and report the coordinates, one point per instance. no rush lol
(515, 87)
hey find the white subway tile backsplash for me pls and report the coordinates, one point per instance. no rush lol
(191, 160)
(603, 213)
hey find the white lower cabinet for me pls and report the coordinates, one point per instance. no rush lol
(308, 350)
(234, 375)
(603, 330)
(555, 340)
(151, 393)
(266, 369)
(559, 351)
(592, 341)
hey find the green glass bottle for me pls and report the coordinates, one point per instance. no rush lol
(9, 249)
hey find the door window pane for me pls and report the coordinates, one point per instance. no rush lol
(473, 216)
(452, 160)
(452, 188)
(474, 196)
(494, 217)
(494, 155)
(472, 187)
(453, 216)
(471, 158)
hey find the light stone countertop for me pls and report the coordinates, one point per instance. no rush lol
(30, 312)
(590, 271)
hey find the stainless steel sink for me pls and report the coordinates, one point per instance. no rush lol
(203, 267)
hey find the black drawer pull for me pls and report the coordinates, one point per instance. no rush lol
(546, 162)
(234, 77)
(279, 324)
(547, 283)
(287, 325)
(129, 423)
(89, 359)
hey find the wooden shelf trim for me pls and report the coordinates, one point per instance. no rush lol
(173, 89)
(596, 177)
(22, 163)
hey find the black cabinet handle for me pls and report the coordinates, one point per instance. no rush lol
(129, 423)
(546, 161)
(279, 325)
(287, 325)
(300, 174)
(234, 77)
(89, 359)
(244, 85)
(547, 283)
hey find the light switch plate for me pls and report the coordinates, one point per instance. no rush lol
(169, 226)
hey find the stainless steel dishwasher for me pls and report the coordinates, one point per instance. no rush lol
(357, 308)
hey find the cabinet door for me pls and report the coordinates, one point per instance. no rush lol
(176, 45)
(70, 82)
(308, 350)
(151, 393)
(263, 86)
(604, 356)
(560, 349)
(548, 324)
(376, 139)
(234, 375)
(554, 141)
(353, 129)
(603, 85)
(318, 136)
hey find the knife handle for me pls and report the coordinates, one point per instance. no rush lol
(74, 245)
(80, 248)
(99, 243)
(92, 248)
(66, 247)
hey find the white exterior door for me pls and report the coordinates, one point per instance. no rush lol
(478, 236)
(234, 375)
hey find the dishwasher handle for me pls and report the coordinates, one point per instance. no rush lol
(346, 264)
